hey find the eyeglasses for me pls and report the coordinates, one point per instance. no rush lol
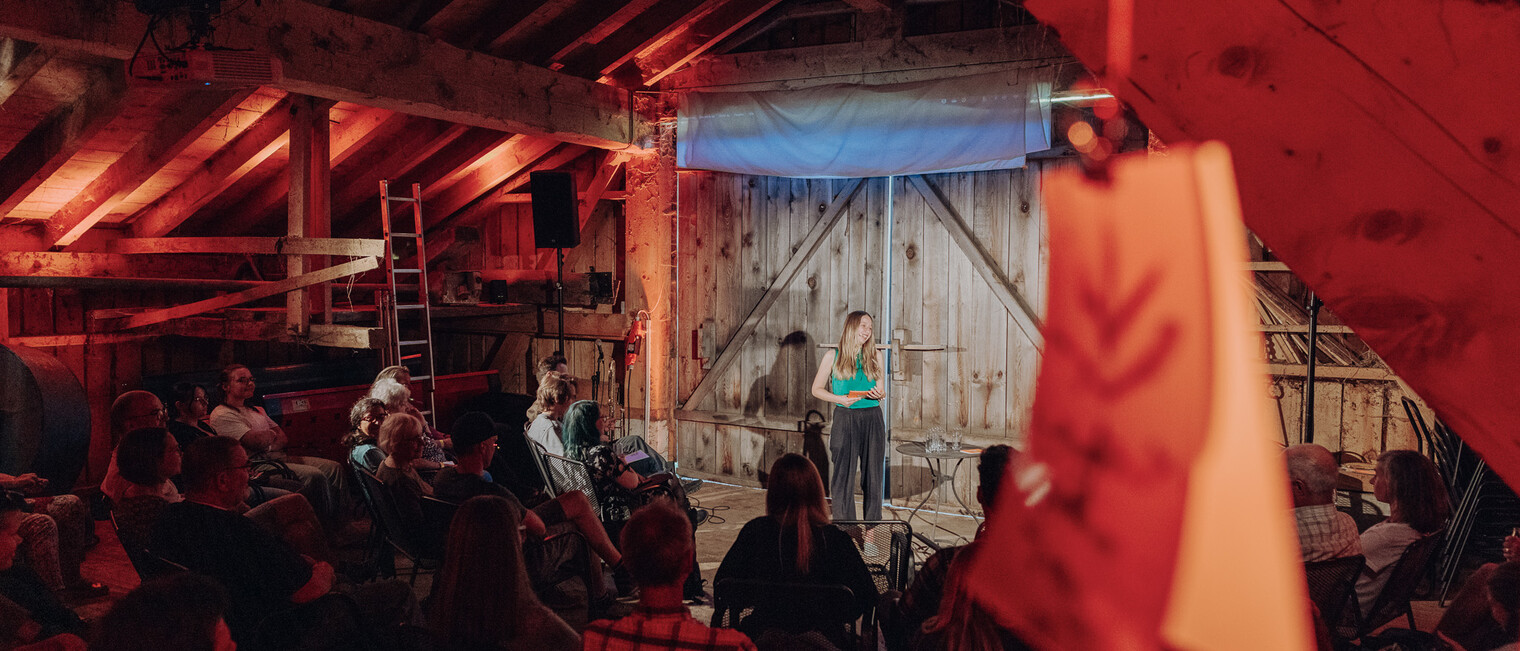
(247, 467)
(201, 400)
(244, 380)
(158, 413)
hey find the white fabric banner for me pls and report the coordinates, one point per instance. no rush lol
(963, 124)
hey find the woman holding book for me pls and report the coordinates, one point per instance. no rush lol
(853, 378)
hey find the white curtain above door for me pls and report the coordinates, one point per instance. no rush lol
(963, 124)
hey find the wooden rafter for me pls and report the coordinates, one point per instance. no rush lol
(987, 266)
(498, 165)
(53, 143)
(337, 336)
(234, 160)
(611, 162)
(331, 54)
(194, 114)
(611, 24)
(696, 38)
(650, 29)
(486, 202)
(363, 127)
(440, 171)
(516, 37)
(237, 298)
(19, 61)
(870, 6)
(394, 159)
(805, 250)
(456, 19)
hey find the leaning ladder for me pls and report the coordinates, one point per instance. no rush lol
(407, 318)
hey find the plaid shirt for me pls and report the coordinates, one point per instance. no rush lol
(1325, 533)
(648, 629)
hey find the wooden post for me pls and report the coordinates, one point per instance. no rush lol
(650, 220)
(309, 215)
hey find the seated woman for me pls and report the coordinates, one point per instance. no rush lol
(1417, 506)
(398, 400)
(401, 441)
(188, 408)
(794, 543)
(364, 418)
(147, 458)
(401, 375)
(482, 597)
(1470, 621)
(55, 536)
(29, 612)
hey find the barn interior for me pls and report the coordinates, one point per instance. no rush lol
(319, 189)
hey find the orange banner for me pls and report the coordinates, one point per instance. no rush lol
(1154, 510)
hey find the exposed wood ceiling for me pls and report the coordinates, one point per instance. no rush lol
(463, 96)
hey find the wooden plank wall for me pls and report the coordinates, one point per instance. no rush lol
(737, 232)
(1362, 416)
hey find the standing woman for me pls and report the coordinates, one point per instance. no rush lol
(852, 377)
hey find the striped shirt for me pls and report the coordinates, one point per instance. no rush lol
(1325, 533)
(649, 629)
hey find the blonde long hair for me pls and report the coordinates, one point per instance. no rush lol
(850, 349)
(553, 388)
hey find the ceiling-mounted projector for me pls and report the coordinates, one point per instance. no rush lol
(201, 67)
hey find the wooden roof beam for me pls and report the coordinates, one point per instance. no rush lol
(250, 246)
(392, 159)
(436, 173)
(696, 38)
(56, 140)
(194, 114)
(233, 161)
(19, 62)
(339, 56)
(496, 166)
(518, 35)
(363, 127)
(487, 201)
(652, 29)
(607, 27)
(115, 265)
(877, 61)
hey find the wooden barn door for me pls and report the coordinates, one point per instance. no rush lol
(757, 298)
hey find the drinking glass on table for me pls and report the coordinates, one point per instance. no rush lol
(1512, 545)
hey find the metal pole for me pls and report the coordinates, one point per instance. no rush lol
(559, 295)
(1314, 305)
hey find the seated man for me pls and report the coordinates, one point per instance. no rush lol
(29, 612)
(475, 439)
(1323, 532)
(923, 597)
(178, 612)
(659, 552)
(261, 573)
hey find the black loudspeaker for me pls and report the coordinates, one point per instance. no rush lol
(555, 223)
(496, 292)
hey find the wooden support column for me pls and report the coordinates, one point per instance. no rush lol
(310, 179)
(650, 261)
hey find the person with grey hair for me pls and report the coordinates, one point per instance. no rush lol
(1323, 532)
(398, 400)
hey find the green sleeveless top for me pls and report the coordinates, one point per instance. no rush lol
(860, 382)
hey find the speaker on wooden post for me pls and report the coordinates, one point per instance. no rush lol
(555, 223)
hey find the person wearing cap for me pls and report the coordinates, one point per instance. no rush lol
(474, 436)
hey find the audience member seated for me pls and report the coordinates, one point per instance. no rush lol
(363, 438)
(262, 574)
(475, 445)
(1411, 486)
(321, 479)
(180, 612)
(923, 597)
(398, 400)
(401, 441)
(1471, 620)
(659, 552)
(30, 614)
(55, 536)
(147, 458)
(960, 623)
(188, 408)
(794, 543)
(482, 597)
(401, 375)
(586, 415)
(619, 488)
(1323, 532)
(555, 393)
